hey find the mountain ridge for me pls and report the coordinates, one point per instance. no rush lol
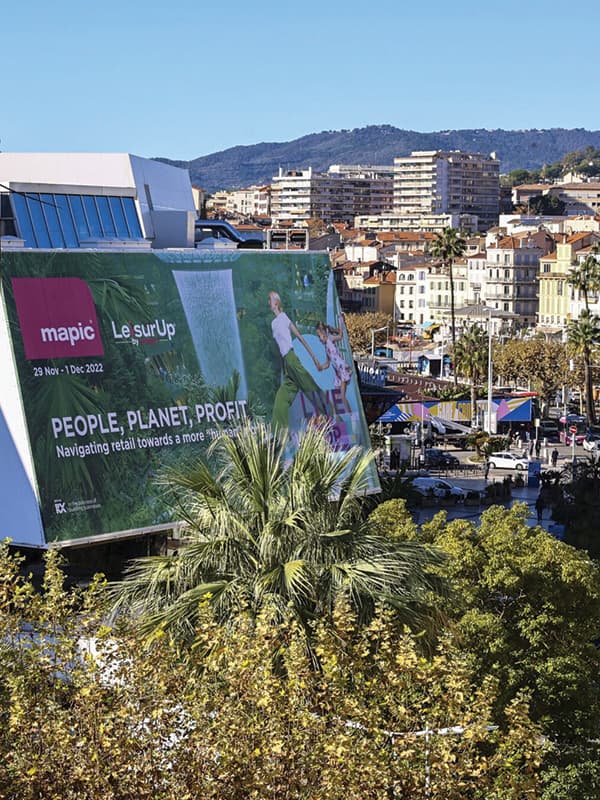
(257, 164)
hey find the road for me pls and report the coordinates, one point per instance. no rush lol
(477, 482)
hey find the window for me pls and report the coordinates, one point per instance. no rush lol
(51, 214)
(60, 220)
(7, 221)
(93, 218)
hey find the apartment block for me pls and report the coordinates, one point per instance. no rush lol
(559, 302)
(339, 195)
(579, 198)
(512, 265)
(432, 223)
(438, 292)
(448, 182)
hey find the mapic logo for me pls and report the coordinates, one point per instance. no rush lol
(57, 318)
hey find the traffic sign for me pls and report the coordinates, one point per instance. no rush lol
(573, 429)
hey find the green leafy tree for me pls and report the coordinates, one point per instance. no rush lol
(91, 713)
(359, 327)
(263, 531)
(536, 362)
(546, 205)
(471, 357)
(447, 247)
(520, 176)
(527, 609)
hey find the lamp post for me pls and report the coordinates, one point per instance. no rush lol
(373, 332)
(490, 375)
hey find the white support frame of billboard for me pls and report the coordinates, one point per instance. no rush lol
(20, 518)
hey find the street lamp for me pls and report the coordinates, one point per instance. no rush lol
(373, 332)
(490, 368)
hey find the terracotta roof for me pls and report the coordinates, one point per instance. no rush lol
(576, 237)
(533, 186)
(592, 187)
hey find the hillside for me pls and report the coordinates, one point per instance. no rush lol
(379, 144)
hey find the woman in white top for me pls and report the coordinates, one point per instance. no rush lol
(295, 377)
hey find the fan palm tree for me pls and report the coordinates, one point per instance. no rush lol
(582, 335)
(266, 534)
(470, 356)
(447, 247)
(586, 275)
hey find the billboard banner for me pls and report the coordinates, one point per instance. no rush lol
(511, 409)
(129, 363)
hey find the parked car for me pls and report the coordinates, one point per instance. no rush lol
(434, 457)
(591, 443)
(437, 487)
(549, 430)
(507, 460)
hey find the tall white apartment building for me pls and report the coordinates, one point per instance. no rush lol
(338, 195)
(448, 182)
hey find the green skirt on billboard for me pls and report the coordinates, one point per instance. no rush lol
(295, 379)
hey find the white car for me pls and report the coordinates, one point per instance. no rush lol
(590, 443)
(437, 487)
(507, 461)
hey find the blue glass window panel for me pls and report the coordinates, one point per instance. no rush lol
(132, 218)
(51, 214)
(66, 220)
(93, 219)
(39, 221)
(119, 217)
(108, 226)
(79, 218)
(23, 220)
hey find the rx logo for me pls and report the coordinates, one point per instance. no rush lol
(60, 507)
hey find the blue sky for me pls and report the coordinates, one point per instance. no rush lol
(184, 79)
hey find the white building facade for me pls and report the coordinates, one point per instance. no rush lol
(65, 200)
(448, 182)
(338, 195)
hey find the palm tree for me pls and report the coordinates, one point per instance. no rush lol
(585, 276)
(582, 335)
(447, 247)
(470, 356)
(264, 533)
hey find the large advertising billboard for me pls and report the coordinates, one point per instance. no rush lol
(130, 363)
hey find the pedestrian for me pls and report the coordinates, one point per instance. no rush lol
(538, 448)
(554, 457)
(486, 470)
(539, 507)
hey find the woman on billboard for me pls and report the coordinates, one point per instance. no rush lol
(295, 376)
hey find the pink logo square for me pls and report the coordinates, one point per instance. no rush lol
(57, 318)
